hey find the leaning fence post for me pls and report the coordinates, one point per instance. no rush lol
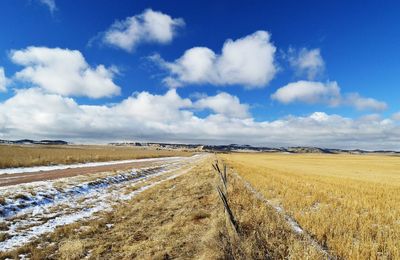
(223, 194)
(222, 175)
(228, 210)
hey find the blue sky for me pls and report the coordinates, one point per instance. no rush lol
(316, 73)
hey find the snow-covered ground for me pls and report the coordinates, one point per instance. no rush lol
(80, 165)
(42, 195)
(31, 210)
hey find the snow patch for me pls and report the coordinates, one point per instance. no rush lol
(80, 165)
(51, 207)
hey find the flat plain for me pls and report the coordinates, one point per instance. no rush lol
(283, 206)
(36, 155)
(349, 203)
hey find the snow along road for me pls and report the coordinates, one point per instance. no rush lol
(30, 210)
(13, 176)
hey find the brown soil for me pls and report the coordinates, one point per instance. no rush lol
(19, 178)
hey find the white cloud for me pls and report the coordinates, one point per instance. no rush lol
(31, 110)
(307, 62)
(312, 92)
(3, 80)
(362, 103)
(149, 26)
(396, 116)
(247, 61)
(224, 104)
(371, 117)
(33, 113)
(51, 4)
(156, 108)
(64, 72)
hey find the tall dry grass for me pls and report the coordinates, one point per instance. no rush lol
(24, 155)
(349, 203)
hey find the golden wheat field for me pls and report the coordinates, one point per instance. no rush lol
(34, 155)
(349, 203)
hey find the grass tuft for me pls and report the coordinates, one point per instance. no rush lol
(71, 249)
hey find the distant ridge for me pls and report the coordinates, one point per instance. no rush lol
(28, 141)
(249, 148)
(216, 148)
(295, 149)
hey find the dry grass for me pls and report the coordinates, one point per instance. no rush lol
(3, 236)
(168, 220)
(262, 232)
(24, 155)
(181, 218)
(349, 203)
(71, 250)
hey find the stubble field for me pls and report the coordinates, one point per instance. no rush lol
(348, 203)
(35, 155)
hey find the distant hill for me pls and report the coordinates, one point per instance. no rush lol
(297, 149)
(249, 148)
(28, 141)
(216, 148)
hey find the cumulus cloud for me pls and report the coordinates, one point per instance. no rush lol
(308, 92)
(362, 103)
(64, 72)
(248, 61)
(306, 62)
(312, 92)
(396, 116)
(154, 108)
(224, 104)
(169, 117)
(149, 26)
(51, 4)
(32, 110)
(3, 80)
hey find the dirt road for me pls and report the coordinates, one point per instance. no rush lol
(27, 177)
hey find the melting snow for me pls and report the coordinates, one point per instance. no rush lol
(80, 165)
(30, 216)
